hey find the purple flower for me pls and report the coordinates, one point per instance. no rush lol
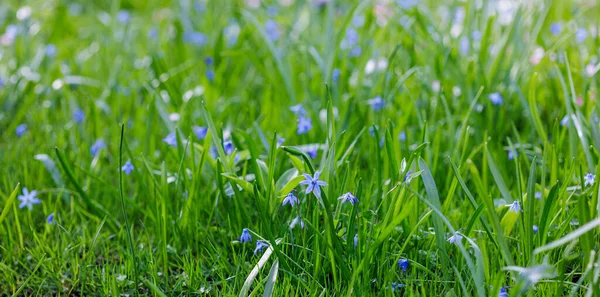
(503, 292)
(127, 167)
(512, 154)
(28, 199)
(402, 136)
(403, 264)
(272, 30)
(245, 237)
(21, 129)
(589, 179)
(377, 103)
(335, 75)
(535, 229)
(457, 237)
(153, 33)
(407, 177)
(356, 51)
(50, 50)
(538, 195)
(312, 152)
(97, 147)
(348, 197)
(209, 61)
(314, 184)
(515, 207)
(298, 110)
(304, 125)
(78, 116)
(210, 75)
(464, 45)
(280, 141)
(581, 35)
(50, 219)
(123, 17)
(496, 98)
(296, 221)
(556, 28)
(195, 38)
(200, 132)
(272, 10)
(171, 139)
(260, 245)
(228, 147)
(290, 199)
(351, 39)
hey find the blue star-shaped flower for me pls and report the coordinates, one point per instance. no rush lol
(314, 184)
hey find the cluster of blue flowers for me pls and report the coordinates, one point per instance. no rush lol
(304, 122)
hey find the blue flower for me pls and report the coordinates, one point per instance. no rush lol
(476, 35)
(209, 61)
(403, 264)
(538, 195)
(556, 28)
(50, 219)
(464, 45)
(28, 199)
(50, 50)
(296, 221)
(21, 129)
(407, 177)
(496, 98)
(455, 238)
(246, 237)
(260, 245)
(515, 207)
(153, 33)
(397, 286)
(335, 75)
(535, 229)
(290, 199)
(355, 240)
(350, 39)
(280, 141)
(512, 154)
(565, 121)
(78, 116)
(312, 152)
(356, 51)
(304, 125)
(272, 30)
(97, 147)
(200, 132)
(348, 197)
(127, 167)
(588, 179)
(272, 10)
(581, 35)
(123, 16)
(210, 75)
(228, 147)
(314, 184)
(503, 292)
(377, 103)
(298, 110)
(171, 139)
(195, 38)
(402, 136)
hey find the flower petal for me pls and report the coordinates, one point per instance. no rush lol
(321, 183)
(317, 191)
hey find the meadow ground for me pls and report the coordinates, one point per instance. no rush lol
(299, 148)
